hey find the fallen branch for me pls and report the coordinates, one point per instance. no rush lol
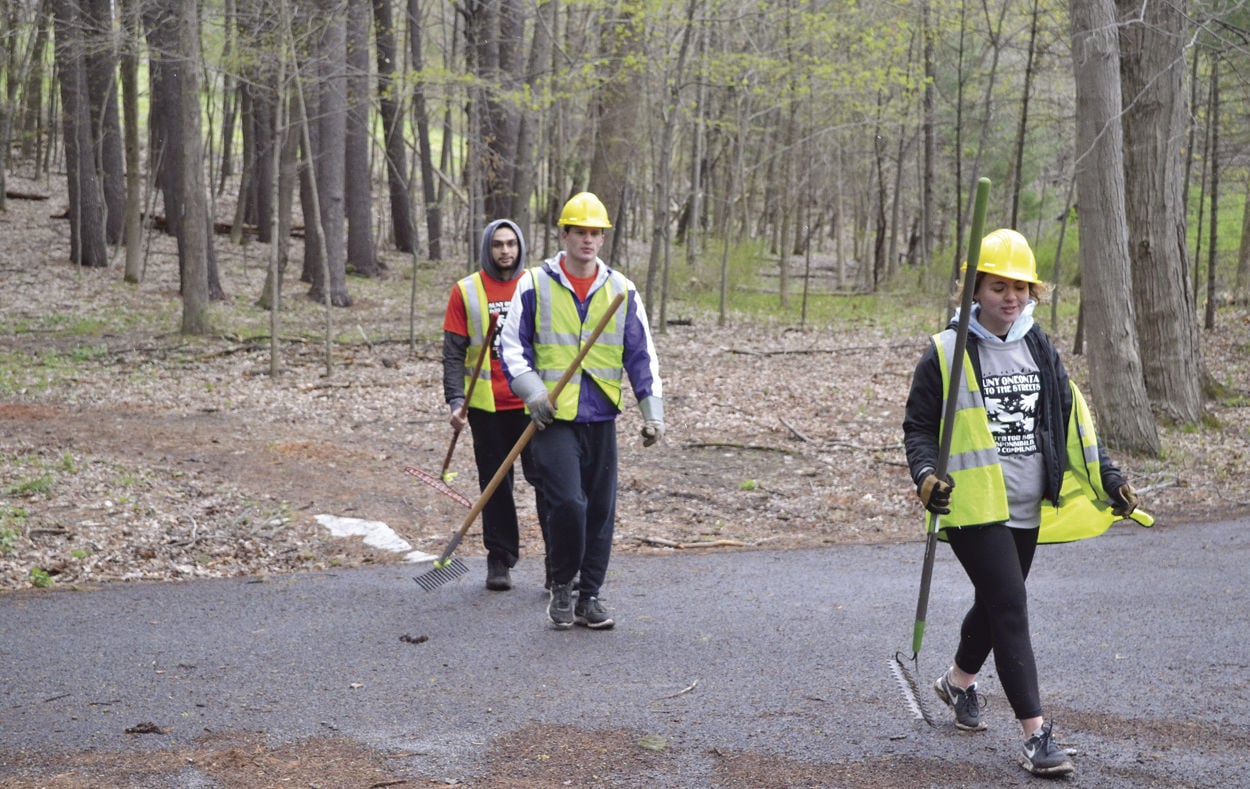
(665, 543)
(734, 445)
(681, 692)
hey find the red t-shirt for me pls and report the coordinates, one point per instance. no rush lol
(498, 296)
(581, 285)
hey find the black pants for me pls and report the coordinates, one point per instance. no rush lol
(997, 560)
(494, 435)
(577, 465)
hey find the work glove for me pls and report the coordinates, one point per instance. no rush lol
(541, 411)
(458, 420)
(1124, 501)
(935, 493)
(652, 432)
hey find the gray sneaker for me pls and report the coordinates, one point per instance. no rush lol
(560, 609)
(591, 613)
(1043, 756)
(965, 703)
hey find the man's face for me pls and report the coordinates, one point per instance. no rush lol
(505, 250)
(582, 244)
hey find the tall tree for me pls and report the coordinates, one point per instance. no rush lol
(1153, 37)
(617, 105)
(88, 246)
(421, 119)
(193, 233)
(1116, 381)
(358, 189)
(389, 107)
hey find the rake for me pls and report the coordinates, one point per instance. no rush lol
(906, 677)
(447, 568)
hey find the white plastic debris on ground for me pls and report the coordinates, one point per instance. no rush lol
(376, 534)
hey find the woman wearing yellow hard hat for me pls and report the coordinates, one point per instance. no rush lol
(1023, 453)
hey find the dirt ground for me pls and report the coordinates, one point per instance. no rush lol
(133, 453)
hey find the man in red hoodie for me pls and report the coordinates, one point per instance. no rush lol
(495, 416)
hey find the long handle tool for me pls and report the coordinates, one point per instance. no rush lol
(440, 483)
(445, 567)
(907, 677)
(468, 395)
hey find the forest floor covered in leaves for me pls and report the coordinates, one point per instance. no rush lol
(129, 452)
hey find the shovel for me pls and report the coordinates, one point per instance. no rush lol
(445, 567)
(907, 678)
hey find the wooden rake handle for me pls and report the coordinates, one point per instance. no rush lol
(468, 395)
(553, 396)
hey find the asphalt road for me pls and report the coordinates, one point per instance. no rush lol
(1141, 638)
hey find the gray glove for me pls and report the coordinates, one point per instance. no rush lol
(652, 432)
(542, 413)
(458, 420)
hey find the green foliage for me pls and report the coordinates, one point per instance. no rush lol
(40, 578)
(33, 486)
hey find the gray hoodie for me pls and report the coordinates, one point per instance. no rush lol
(455, 345)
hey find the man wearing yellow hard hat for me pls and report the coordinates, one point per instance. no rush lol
(575, 451)
(1024, 467)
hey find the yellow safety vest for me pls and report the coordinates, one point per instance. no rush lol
(1083, 510)
(559, 333)
(477, 319)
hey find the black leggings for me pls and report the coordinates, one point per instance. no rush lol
(997, 560)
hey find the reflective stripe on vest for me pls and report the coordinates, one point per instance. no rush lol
(981, 495)
(559, 333)
(477, 319)
(1083, 510)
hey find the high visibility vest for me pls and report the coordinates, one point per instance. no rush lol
(559, 333)
(1082, 510)
(477, 319)
(973, 462)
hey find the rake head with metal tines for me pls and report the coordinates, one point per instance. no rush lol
(911, 692)
(442, 572)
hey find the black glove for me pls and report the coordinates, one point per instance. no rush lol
(542, 413)
(1124, 501)
(935, 493)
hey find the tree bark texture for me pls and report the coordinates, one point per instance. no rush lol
(362, 255)
(1118, 391)
(193, 231)
(421, 119)
(1152, 63)
(88, 245)
(325, 93)
(403, 227)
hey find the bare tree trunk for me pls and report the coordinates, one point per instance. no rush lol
(404, 229)
(327, 117)
(660, 240)
(1116, 381)
(615, 109)
(1212, 257)
(362, 255)
(193, 233)
(433, 209)
(134, 163)
(1022, 126)
(1152, 61)
(1241, 288)
(101, 65)
(88, 246)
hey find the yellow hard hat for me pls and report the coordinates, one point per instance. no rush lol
(1007, 254)
(584, 210)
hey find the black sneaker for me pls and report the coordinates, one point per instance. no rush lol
(498, 579)
(591, 613)
(965, 703)
(1043, 756)
(560, 609)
